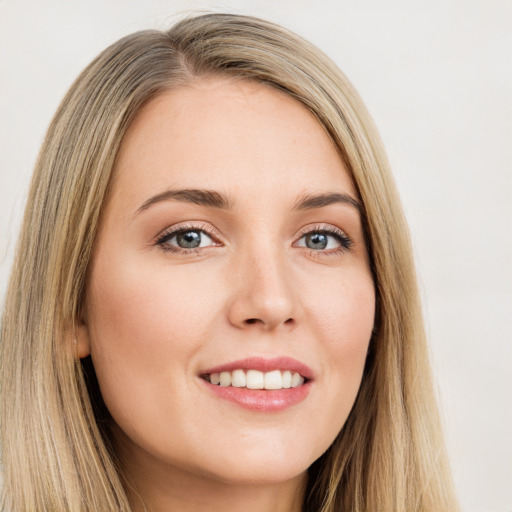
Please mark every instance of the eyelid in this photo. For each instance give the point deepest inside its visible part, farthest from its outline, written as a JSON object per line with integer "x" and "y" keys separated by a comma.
{"x": 188, "y": 226}
{"x": 345, "y": 241}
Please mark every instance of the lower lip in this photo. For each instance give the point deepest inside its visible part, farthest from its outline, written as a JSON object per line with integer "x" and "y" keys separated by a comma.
{"x": 260, "y": 400}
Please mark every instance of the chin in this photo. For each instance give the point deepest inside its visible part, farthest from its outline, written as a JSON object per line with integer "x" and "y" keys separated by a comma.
{"x": 261, "y": 465}
{"x": 265, "y": 474}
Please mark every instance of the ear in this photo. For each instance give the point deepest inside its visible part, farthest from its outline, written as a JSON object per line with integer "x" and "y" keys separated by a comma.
{"x": 82, "y": 340}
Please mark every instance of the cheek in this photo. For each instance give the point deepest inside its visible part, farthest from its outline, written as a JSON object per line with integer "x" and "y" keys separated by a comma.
{"x": 343, "y": 309}
{"x": 142, "y": 305}
{"x": 145, "y": 324}
{"x": 343, "y": 315}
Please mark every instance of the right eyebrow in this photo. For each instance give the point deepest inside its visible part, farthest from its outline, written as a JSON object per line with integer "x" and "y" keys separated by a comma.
{"x": 201, "y": 197}
{"x": 311, "y": 201}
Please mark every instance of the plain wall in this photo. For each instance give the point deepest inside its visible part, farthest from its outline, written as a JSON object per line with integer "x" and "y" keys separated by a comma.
{"x": 437, "y": 77}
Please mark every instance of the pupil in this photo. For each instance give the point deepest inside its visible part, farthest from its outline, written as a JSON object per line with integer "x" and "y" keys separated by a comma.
{"x": 189, "y": 239}
{"x": 316, "y": 241}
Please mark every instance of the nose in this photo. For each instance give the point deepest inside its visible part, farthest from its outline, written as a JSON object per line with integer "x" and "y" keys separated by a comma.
{"x": 264, "y": 294}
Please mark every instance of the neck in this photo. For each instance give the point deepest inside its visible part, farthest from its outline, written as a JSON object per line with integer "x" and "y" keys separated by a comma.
{"x": 184, "y": 493}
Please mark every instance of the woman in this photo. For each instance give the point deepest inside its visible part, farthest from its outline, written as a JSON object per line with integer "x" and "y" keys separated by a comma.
{"x": 213, "y": 301}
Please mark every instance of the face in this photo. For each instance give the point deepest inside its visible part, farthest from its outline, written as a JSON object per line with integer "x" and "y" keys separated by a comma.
{"x": 230, "y": 301}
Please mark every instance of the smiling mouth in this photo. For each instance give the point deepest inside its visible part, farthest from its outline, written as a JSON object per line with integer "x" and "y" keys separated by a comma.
{"x": 255, "y": 379}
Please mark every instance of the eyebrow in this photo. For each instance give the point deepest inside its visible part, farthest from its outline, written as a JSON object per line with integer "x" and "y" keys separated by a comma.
{"x": 193, "y": 195}
{"x": 215, "y": 199}
{"x": 311, "y": 201}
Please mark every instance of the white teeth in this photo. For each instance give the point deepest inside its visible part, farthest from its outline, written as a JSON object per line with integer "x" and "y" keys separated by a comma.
{"x": 287, "y": 379}
{"x": 254, "y": 379}
{"x": 238, "y": 379}
{"x": 297, "y": 380}
{"x": 225, "y": 379}
{"x": 273, "y": 380}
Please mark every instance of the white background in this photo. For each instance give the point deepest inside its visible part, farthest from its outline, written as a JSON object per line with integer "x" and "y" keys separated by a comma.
{"x": 437, "y": 77}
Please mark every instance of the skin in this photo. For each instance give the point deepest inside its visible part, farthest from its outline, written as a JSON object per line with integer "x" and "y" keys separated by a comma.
{"x": 155, "y": 319}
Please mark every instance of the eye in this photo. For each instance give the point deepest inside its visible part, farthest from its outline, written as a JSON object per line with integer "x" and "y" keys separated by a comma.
{"x": 331, "y": 240}
{"x": 185, "y": 239}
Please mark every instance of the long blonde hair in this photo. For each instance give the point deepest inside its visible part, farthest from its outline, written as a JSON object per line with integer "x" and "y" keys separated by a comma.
{"x": 389, "y": 456}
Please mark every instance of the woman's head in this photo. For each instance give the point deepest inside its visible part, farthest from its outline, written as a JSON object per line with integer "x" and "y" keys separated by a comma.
{"x": 202, "y": 74}
{"x": 230, "y": 243}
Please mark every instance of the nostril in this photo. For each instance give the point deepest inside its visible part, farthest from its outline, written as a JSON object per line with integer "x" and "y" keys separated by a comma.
{"x": 251, "y": 321}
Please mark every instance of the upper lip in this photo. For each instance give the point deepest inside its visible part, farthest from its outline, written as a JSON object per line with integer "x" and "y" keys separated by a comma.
{"x": 263, "y": 364}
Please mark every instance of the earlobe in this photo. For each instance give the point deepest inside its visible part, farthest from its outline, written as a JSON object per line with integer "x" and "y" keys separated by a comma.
{"x": 81, "y": 340}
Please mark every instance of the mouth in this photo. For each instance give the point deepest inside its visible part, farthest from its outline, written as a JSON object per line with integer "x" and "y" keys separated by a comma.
{"x": 260, "y": 384}
{"x": 256, "y": 379}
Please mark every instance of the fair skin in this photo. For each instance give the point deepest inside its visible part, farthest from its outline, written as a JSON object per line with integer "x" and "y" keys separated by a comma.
{"x": 185, "y": 285}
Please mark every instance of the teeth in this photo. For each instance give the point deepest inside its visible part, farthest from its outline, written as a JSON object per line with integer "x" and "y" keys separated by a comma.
{"x": 287, "y": 379}
{"x": 297, "y": 380}
{"x": 273, "y": 380}
{"x": 254, "y": 379}
{"x": 238, "y": 379}
{"x": 225, "y": 379}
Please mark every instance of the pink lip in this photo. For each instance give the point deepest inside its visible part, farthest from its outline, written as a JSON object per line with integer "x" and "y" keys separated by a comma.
{"x": 262, "y": 400}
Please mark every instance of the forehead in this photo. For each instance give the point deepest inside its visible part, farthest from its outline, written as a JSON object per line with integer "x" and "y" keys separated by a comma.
{"x": 235, "y": 136}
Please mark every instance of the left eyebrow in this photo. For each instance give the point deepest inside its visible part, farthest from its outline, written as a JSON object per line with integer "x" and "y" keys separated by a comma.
{"x": 310, "y": 201}
{"x": 201, "y": 197}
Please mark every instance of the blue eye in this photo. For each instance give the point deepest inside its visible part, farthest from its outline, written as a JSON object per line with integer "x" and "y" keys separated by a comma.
{"x": 185, "y": 239}
{"x": 317, "y": 241}
{"x": 324, "y": 240}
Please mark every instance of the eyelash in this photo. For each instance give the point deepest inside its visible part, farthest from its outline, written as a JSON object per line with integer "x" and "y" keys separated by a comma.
{"x": 342, "y": 238}
{"x": 163, "y": 239}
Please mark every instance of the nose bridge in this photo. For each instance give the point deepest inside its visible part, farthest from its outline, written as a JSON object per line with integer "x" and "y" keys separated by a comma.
{"x": 265, "y": 293}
